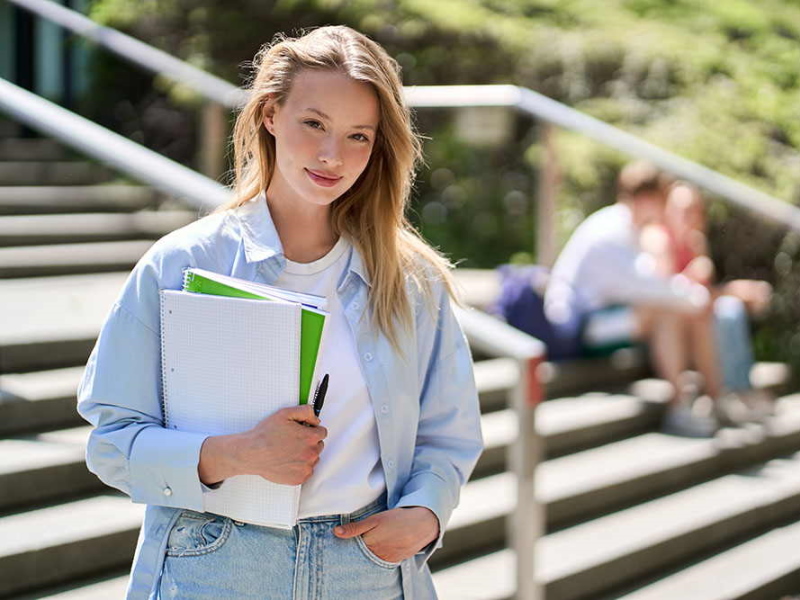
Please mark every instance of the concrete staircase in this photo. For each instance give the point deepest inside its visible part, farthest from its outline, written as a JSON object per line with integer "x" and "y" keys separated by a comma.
{"x": 631, "y": 513}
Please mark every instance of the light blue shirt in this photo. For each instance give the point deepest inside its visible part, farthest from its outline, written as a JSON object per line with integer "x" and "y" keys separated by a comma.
{"x": 424, "y": 398}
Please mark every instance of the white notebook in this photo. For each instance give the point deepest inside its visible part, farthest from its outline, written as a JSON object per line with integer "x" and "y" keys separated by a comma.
{"x": 227, "y": 363}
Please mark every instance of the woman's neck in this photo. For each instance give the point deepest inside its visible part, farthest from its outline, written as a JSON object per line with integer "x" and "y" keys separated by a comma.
{"x": 304, "y": 229}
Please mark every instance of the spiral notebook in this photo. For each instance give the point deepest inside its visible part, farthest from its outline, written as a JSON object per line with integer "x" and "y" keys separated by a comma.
{"x": 227, "y": 363}
{"x": 312, "y": 321}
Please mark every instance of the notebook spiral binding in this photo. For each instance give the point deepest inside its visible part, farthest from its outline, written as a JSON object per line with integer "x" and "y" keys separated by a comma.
{"x": 187, "y": 278}
{"x": 164, "y": 391}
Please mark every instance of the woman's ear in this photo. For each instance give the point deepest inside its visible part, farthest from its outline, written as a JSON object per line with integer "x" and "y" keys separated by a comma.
{"x": 269, "y": 116}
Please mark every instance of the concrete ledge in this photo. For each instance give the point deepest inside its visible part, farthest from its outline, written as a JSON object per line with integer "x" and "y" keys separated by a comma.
{"x": 29, "y": 230}
{"x": 105, "y": 588}
{"x": 69, "y": 199}
{"x": 39, "y": 401}
{"x": 69, "y": 259}
{"x": 52, "y": 173}
{"x": 44, "y": 466}
{"x": 76, "y": 539}
{"x": 766, "y": 567}
{"x": 592, "y": 558}
{"x": 52, "y": 322}
{"x": 18, "y": 149}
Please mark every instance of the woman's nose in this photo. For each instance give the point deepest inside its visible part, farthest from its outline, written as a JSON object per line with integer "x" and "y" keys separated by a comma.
{"x": 330, "y": 152}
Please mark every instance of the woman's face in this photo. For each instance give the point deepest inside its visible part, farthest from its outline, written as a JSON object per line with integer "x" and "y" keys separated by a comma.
{"x": 324, "y": 134}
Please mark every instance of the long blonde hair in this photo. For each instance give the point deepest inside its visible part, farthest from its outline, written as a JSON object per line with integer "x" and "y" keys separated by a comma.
{"x": 371, "y": 214}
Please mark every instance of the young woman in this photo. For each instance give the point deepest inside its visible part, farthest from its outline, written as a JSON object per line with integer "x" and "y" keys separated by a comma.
{"x": 324, "y": 156}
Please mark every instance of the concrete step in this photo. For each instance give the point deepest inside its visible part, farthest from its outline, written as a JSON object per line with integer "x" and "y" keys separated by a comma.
{"x": 39, "y": 401}
{"x": 18, "y": 149}
{"x": 766, "y": 567}
{"x": 29, "y": 230}
{"x": 52, "y": 322}
{"x": 45, "y": 400}
{"x": 75, "y": 198}
{"x": 69, "y": 259}
{"x": 595, "y": 557}
{"x": 44, "y": 466}
{"x": 53, "y": 173}
{"x": 111, "y": 587}
{"x": 567, "y": 425}
{"x": 46, "y": 546}
{"x": 586, "y": 484}
{"x": 9, "y": 129}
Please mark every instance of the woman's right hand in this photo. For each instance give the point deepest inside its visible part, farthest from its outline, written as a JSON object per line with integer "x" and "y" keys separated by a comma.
{"x": 280, "y": 448}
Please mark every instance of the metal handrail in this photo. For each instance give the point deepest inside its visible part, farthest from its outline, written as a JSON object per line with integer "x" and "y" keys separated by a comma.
{"x": 525, "y": 100}
{"x": 152, "y": 59}
{"x": 546, "y": 109}
{"x": 110, "y": 148}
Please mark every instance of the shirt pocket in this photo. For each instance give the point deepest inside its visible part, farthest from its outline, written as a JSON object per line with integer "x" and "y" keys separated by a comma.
{"x": 195, "y": 533}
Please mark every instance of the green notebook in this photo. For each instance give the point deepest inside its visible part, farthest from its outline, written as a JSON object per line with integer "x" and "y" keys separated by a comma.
{"x": 312, "y": 320}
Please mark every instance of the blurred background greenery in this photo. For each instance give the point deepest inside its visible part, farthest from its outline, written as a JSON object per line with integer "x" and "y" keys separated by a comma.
{"x": 716, "y": 82}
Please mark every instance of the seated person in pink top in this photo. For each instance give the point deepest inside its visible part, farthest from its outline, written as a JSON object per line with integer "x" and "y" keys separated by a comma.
{"x": 679, "y": 246}
{"x": 685, "y": 222}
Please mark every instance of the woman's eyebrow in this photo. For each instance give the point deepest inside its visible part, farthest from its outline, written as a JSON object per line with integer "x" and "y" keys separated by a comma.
{"x": 324, "y": 116}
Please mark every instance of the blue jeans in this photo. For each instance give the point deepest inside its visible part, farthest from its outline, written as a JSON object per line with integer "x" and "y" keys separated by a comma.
{"x": 733, "y": 343}
{"x": 213, "y": 557}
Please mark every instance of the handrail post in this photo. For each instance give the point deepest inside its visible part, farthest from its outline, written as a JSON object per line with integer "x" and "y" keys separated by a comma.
{"x": 213, "y": 133}
{"x": 526, "y": 525}
{"x": 546, "y": 197}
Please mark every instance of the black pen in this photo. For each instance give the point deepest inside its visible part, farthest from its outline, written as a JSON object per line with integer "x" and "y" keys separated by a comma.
{"x": 319, "y": 395}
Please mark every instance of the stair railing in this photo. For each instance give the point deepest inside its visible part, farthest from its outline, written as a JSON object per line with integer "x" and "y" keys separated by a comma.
{"x": 113, "y": 149}
{"x": 492, "y": 337}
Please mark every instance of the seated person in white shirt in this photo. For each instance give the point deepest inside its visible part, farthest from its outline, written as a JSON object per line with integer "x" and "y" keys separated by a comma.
{"x": 604, "y": 291}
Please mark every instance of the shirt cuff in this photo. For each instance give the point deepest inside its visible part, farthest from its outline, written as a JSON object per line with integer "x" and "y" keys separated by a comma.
{"x": 163, "y": 468}
{"x": 431, "y": 491}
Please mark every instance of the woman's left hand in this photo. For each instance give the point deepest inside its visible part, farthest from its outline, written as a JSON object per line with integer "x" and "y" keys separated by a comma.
{"x": 395, "y": 534}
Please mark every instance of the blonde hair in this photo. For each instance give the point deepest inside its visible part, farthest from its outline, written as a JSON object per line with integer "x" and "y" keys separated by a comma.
{"x": 371, "y": 214}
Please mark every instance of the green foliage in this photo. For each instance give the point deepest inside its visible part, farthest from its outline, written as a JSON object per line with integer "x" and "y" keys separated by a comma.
{"x": 717, "y": 82}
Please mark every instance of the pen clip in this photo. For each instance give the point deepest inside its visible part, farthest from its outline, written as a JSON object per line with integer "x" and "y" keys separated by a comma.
{"x": 319, "y": 395}
{"x": 315, "y": 396}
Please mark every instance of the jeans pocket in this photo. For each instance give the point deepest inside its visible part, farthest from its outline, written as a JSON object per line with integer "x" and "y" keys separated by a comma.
{"x": 372, "y": 557}
{"x": 195, "y": 533}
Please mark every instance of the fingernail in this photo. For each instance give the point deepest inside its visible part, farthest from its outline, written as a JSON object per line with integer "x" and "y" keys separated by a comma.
{"x": 339, "y": 530}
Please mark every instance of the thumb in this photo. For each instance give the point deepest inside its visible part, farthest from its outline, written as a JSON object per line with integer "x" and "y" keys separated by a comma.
{"x": 349, "y": 530}
{"x": 302, "y": 414}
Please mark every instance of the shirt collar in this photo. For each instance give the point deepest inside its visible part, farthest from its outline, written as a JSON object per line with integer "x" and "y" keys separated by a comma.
{"x": 261, "y": 240}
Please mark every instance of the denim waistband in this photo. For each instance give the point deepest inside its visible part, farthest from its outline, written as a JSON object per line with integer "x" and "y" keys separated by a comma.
{"x": 374, "y": 506}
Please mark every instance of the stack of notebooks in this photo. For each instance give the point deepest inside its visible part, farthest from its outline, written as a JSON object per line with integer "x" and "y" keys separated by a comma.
{"x": 232, "y": 353}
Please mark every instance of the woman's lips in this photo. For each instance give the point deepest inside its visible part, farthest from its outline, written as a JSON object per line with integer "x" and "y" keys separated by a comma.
{"x": 322, "y": 180}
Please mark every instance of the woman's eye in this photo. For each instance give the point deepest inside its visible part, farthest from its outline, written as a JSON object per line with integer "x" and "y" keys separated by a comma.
{"x": 360, "y": 137}
{"x": 313, "y": 124}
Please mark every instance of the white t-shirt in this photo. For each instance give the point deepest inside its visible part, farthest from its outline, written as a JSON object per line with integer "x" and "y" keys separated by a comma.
{"x": 349, "y": 473}
{"x": 602, "y": 265}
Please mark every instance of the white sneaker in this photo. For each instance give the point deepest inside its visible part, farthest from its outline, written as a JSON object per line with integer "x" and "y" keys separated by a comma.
{"x": 681, "y": 420}
{"x": 732, "y": 411}
{"x": 749, "y": 406}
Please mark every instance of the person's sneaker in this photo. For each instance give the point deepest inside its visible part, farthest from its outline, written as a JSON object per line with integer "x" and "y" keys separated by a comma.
{"x": 761, "y": 404}
{"x": 732, "y": 411}
{"x": 681, "y": 420}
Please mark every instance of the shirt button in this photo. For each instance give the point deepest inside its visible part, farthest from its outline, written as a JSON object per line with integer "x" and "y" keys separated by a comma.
{"x": 368, "y": 357}
{"x": 385, "y": 408}
{"x": 356, "y": 306}
{"x": 167, "y": 491}
{"x": 390, "y": 464}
